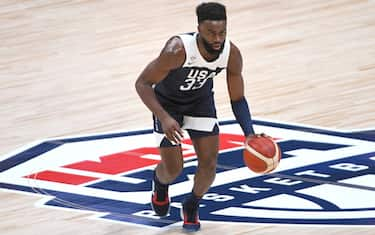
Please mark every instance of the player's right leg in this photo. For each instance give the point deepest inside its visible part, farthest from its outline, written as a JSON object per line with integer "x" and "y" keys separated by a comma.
{"x": 166, "y": 171}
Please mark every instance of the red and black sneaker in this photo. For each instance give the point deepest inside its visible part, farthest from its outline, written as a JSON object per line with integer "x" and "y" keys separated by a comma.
{"x": 190, "y": 215}
{"x": 160, "y": 200}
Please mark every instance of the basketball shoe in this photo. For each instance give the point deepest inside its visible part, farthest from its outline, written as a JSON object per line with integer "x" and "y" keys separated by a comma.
{"x": 160, "y": 202}
{"x": 190, "y": 213}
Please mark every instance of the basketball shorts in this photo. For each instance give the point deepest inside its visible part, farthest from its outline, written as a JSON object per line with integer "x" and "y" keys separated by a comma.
{"x": 198, "y": 119}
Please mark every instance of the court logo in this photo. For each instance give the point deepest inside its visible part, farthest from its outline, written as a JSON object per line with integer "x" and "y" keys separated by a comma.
{"x": 325, "y": 177}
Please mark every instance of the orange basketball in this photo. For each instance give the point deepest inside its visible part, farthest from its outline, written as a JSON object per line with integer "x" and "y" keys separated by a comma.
{"x": 261, "y": 154}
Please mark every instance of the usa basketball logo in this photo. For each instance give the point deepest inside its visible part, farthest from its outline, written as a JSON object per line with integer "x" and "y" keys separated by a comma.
{"x": 324, "y": 177}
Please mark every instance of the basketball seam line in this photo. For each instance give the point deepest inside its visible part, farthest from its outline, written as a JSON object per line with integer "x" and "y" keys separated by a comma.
{"x": 269, "y": 161}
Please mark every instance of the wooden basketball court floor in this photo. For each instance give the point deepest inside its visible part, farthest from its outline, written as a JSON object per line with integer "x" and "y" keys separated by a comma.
{"x": 68, "y": 68}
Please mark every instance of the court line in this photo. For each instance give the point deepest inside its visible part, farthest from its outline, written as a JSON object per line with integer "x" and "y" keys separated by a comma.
{"x": 325, "y": 182}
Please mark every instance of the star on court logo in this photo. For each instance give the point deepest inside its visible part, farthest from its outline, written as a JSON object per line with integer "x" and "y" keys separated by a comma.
{"x": 324, "y": 177}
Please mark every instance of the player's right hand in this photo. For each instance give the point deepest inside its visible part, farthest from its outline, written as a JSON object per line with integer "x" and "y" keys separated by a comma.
{"x": 172, "y": 130}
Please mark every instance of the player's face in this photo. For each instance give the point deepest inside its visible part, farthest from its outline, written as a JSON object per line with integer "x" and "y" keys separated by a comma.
{"x": 213, "y": 33}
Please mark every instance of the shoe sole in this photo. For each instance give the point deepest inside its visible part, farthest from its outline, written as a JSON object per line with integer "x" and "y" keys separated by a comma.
{"x": 188, "y": 227}
{"x": 152, "y": 205}
{"x": 165, "y": 215}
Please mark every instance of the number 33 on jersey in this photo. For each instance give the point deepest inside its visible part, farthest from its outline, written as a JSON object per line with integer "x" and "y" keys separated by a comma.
{"x": 196, "y": 79}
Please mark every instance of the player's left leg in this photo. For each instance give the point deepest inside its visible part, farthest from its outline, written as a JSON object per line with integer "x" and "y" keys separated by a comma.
{"x": 207, "y": 150}
{"x": 201, "y": 124}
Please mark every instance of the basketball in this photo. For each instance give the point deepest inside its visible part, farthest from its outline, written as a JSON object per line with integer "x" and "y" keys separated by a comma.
{"x": 261, "y": 154}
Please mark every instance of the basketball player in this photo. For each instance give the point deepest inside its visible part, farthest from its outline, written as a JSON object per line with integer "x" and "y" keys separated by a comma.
{"x": 177, "y": 88}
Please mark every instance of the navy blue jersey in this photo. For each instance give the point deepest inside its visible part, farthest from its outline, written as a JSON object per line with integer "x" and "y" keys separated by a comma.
{"x": 187, "y": 92}
{"x": 193, "y": 81}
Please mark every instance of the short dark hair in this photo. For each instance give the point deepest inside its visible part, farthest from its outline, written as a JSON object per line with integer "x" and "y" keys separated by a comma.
{"x": 211, "y": 11}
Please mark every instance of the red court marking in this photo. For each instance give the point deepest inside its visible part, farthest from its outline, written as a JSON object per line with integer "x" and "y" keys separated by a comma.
{"x": 60, "y": 177}
{"x": 226, "y": 141}
{"x": 124, "y": 161}
{"x": 118, "y": 162}
{"x": 129, "y": 160}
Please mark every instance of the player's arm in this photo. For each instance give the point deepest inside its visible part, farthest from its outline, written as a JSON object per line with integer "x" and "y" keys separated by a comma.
{"x": 235, "y": 85}
{"x": 171, "y": 57}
